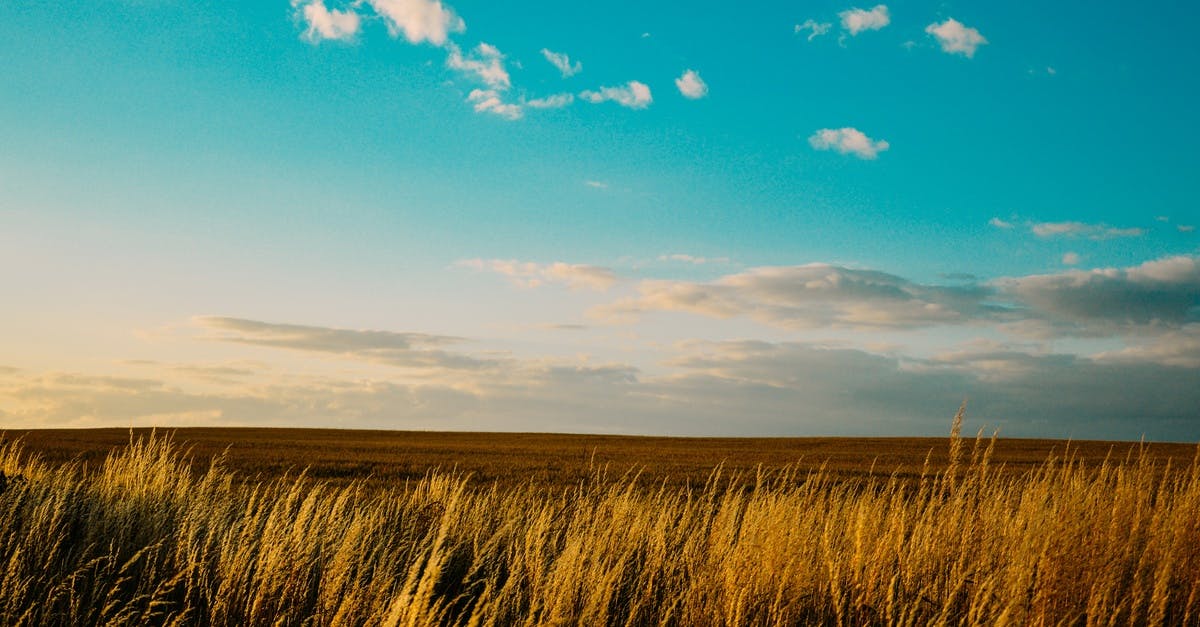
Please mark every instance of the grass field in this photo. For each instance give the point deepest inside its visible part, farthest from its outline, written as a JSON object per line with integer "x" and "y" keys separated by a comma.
{"x": 555, "y": 460}
{"x": 140, "y": 536}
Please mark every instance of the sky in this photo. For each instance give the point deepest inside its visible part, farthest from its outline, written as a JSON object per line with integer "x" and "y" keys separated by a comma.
{"x": 703, "y": 218}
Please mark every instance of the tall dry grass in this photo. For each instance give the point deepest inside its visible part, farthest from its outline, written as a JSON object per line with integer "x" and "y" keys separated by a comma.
{"x": 144, "y": 541}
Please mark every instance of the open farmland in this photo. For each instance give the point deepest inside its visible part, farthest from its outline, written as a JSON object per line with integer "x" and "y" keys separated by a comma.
{"x": 557, "y": 460}
{"x": 139, "y": 537}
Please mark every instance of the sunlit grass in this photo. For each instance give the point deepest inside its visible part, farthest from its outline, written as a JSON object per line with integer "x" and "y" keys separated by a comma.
{"x": 146, "y": 540}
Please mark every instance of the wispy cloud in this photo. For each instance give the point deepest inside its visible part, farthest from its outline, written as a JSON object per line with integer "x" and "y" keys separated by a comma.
{"x": 324, "y": 24}
{"x": 809, "y": 296}
{"x": 1083, "y": 229}
{"x": 856, "y": 20}
{"x": 956, "y": 38}
{"x": 1000, "y": 224}
{"x": 317, "y": 338}
{"x": 634, "y": 95}
{"x": 815, "y": 28}
{"x": 485, "y": 63}
{"x": 564, "y": 327}
{"x": 409, "y": 350}
{"x": 418, "y": 20}
{"x": 555, "y": 101}
{"x": 529, "y": 274}
{"x": 492, "y": 101}
{"x": 691, "y": 85}
{"x": 563, "y": 62}
{"x": 596, "y": 184}
{"x": 1071, "y": 259}
{"x": 847, "y": 141}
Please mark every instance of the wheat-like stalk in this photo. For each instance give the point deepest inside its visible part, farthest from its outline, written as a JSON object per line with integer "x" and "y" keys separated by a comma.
{"x": 142, "y": 540}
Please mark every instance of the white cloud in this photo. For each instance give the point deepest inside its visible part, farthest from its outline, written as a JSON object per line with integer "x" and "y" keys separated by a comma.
{"x": 1000, "y": 224}
{"x": 1082, "y": 229}
{"x": 561, "y": 61}
{"x": 634, "y": 95}
{"x": 491, "y": 101}
{"x": 955, "y": 38}
{"x": 596, "y": 184}
{"x": 847, "y": 141}
{"x": 1108, "y": 302}
{"x": 485, "y": 62}
{"x": 1186, "y": 228}
{"x": 324, "y": 24}
{"x": 1179, "y": 347}
{"x": 1157, "y": 294}
{"x": 691, "y": 85}
{"x": 529, "y": 274}
{"x": 1070, "y": 259}
{"x": 556, "y": 101}
{"x": 857, "y": 20}
{"x": 1050, "y": 229}
{"x": 808, "y": 297}
{"x": 816, "y": 28}
{"x": 418, "y": 20}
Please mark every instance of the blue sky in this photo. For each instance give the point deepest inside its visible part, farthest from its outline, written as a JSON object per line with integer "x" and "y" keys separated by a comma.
{"x": 788, "y": 219}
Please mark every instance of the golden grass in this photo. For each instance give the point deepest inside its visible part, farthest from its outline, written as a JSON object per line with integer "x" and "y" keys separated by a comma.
{"x": 146, "y": 540}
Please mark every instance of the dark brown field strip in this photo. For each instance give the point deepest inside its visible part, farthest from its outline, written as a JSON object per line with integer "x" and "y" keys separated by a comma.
{"x": 557, "y": 460}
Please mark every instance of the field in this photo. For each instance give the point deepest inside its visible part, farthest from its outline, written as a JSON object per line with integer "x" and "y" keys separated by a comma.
{"x": 557, "y": 460}
{"x": 490, "y": 529}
